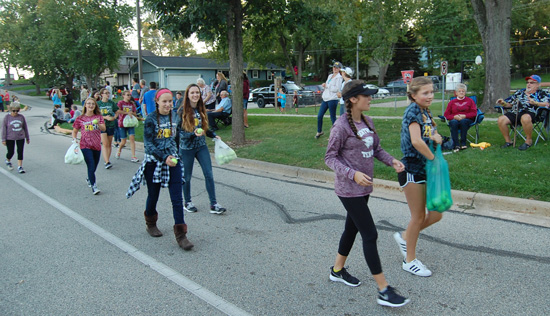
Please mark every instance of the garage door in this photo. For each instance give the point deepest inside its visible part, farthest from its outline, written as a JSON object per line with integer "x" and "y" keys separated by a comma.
{"x": 177, "y": 82}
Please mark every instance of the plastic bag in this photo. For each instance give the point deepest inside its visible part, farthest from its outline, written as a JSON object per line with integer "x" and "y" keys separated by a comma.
{"x": 223, "y": 153}
{"x": 438, "y": 189}
{"x": 74, "y": 155}
{"x": 130, "y": 121}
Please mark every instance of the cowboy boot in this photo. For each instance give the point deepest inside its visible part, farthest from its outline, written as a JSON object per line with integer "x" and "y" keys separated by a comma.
{"x": 180, "y": 230}
{"x": 151, "y": 222}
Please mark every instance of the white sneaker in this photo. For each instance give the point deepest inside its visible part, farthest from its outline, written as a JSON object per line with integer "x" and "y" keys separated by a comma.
{"x": 417, "y": 268}
{"x": 95, "y": 190}
{"x": 401, "y": 243}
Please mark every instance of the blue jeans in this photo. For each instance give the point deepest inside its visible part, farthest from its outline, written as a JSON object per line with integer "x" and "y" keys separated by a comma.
{"x": 203, "y": 157}
{"x": 462, "y": 125}
{"x": 91, "y": 157}
{"x": 174, "y": 188}
{"x": 117, "y": 134}
{"x": 326, "y": 105}
{"x": 342, "y": 108}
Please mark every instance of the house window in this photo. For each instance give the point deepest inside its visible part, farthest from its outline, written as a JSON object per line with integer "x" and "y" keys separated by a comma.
{"x": 255, "y": 74}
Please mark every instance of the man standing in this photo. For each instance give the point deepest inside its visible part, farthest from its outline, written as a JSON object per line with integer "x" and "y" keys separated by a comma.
{"x": 222, "y": 111}
{"x": 149, "y": 105}
{"x": 528, "y": 100}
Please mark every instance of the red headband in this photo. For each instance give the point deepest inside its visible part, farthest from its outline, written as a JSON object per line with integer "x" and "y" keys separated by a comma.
{"x": 161, "y": 92}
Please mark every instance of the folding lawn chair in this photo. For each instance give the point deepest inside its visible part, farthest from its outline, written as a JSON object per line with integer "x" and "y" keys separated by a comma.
{"x": 541, "y": 124}
{"x": 478, "y": 119}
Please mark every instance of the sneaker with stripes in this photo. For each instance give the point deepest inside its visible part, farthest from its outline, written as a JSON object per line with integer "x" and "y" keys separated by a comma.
{"x": 401, "y": 243}
{"x": 417, "y": 268}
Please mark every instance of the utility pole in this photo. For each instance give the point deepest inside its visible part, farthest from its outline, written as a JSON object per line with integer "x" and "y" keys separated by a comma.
{"x": 359, "y": 40}
{"x": 139, "y": 40}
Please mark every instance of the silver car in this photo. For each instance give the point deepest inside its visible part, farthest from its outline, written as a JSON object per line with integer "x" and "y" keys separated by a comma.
{"x": 382, "y": 93}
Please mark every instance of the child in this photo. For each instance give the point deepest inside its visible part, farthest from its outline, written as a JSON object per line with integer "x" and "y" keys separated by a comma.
{"x": 58, "y": 116}
{"x": 76, "y": 112}
{"x": 351, "y": 149}
{"x": 161, "y": 167}
{"x": 295, "y": 100}
{"x": 282, "y": 99}
{"x": 108, "y": 109}
{"x": 14, "y": 132}
{"x": 2, "y": 101}
{"x": 66, "y": 115}
{"x": 417, "y": 128}
{"x": 192, "y": 117}
{"x": 90, "y": 124}
{"x": 126, "y": 106}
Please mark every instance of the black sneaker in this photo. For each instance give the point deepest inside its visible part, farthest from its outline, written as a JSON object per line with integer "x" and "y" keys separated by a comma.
{"x": 391, "y": 298}
{"x": 190, "y": 207}
{"x": 344, "y": 277}
{"x": 217, "y": 209}
{"x": 108, "y": 165}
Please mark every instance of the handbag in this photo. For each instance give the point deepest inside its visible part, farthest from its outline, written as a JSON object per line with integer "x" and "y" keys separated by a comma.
{"x": 223, "y": 153}
{"x": 438, "y": 190}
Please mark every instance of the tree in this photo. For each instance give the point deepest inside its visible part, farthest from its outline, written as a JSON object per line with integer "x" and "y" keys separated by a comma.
{"x": 163, "y": 44}
{"x": 219, "y": 22}
{"x": 493, "y": 19}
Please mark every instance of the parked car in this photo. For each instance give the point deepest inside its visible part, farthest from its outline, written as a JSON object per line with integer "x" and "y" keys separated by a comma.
{"x": 382, "y": 93}
{"x": 266, "y": 95}
{"x": 396, "y": 87}
{"x": 317, "y": 89}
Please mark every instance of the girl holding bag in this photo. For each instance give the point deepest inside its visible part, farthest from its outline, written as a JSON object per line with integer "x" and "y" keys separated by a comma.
{"x": 192, "y": 128}
{"x": 126, "y": 106}
{"x": 90, "y": 124}
{"x": 352, "y": 147}
{"x": 417, "y": 128}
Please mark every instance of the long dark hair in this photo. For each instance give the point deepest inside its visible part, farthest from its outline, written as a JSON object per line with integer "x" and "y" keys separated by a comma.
{"x": 188, "y": 114}
{"x": 350, "y": 85}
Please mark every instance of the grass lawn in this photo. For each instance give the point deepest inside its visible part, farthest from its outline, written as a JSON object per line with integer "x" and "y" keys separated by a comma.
{"x": 507, "y": 172}
{"x": 520, "y": 83}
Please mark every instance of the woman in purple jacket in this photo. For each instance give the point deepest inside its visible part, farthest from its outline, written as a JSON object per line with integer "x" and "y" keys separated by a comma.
{"x": 351, "y": 149}
{"x": 14, "y": 132}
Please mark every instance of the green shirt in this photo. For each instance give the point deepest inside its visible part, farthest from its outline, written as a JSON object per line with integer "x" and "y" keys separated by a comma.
{"x": 108, "y": 108}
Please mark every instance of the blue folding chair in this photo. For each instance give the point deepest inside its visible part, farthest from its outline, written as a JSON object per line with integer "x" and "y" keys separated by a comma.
{"x": 541, "y": 124}
{"x": 478, "y": 119}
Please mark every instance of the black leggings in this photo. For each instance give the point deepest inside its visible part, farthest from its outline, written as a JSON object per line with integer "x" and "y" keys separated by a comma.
{"x": 360, "y": 220}
{"x": 11, "y": 146}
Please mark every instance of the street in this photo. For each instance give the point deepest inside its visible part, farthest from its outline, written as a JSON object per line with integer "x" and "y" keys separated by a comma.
{"x": 65, "y": 251}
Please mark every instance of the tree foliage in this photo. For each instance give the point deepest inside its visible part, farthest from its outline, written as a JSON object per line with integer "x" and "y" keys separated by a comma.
{"x": 58, "y": 39}
{"x": 163, "y": 44}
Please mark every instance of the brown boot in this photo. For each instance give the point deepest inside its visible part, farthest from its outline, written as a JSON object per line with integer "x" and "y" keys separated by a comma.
{"x": 151, "y": 222}
{"x": 180, "y": 230}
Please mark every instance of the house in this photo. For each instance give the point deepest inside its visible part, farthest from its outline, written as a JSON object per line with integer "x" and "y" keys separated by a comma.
{"x": 121, "y": 77}
{"x": 176, "y": 73}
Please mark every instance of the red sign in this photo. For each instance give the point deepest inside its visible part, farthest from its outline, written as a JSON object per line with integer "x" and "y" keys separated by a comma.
{"x": 444, "y": 66}
{"x": 407, "y": 75}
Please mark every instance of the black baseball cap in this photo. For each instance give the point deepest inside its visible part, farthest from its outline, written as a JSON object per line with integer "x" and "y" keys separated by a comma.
{"x": 356, "y": 87}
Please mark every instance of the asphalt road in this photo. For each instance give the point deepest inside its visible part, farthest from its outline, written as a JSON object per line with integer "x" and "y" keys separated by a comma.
{"x": 64, "y": 251}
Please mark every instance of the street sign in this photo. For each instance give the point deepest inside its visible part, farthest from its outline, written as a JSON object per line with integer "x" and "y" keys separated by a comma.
{"x": 407, "y": 75}
{"x": 444, "y": 67}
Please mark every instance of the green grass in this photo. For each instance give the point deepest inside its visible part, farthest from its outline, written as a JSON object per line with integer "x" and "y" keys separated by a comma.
{"x": 520, "y": 83}
{"x": 289, "y": 140}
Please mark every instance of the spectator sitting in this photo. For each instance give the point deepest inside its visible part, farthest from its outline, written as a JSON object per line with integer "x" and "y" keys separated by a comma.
{"x": 66, "y": 115}
{"x": 461, "y": 113}
{"x": 76, "y": 113}
{"x": 58, "y": 116}
{"x": 527, "y": 102}
{"x": 222, "y": 111}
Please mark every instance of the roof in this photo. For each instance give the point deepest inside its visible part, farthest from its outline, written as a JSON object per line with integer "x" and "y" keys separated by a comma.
{"x": 194, "y": 63}
{"x": 133, "y": 53}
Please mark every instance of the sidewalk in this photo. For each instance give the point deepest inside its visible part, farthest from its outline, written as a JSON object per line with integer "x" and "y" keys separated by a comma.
{"x": 507, "y": 208}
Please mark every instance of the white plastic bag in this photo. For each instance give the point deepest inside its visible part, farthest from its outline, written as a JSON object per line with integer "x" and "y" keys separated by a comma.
{"x": 74, "y": 155}
{"x": 223, "y": 153}
{"x": 130, "y": 121}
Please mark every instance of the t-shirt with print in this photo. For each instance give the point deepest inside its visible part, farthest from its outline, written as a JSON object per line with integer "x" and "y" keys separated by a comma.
{"x": 522, "y": 98}
{"x": 346, "y": 155}
{"x": 108, "y": 108}
{"x": 413, "y": 160}
{"x": 90, "y": 132}
{"x": 160, "y": 136}
{"x": 126, "y": 107}
{"x": 188, "y": 140}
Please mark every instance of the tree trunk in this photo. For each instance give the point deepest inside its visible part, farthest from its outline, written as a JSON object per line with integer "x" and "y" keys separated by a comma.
{"x": 493, "y": 18}
{"x": 235, "y": 40}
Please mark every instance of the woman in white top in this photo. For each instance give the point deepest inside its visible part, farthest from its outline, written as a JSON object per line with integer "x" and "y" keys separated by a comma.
{"x": 330, "y": 97}
{"x": 346, "y": 74}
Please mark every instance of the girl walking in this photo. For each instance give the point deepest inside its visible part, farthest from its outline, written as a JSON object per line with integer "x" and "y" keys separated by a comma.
{"x": 15, "y": 132}
{"x": 351, "y": 149}
{"x": 417, "y": 129}
{"x": 192, "y": 128}
{"x": 90, "y": 124}
{"x": 161, "y": 167}
{"x": 126, "y": 106}
{"x": 108, "y": 109}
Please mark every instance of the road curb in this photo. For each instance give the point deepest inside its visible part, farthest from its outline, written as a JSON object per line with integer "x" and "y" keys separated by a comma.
{"x": 509, "y": 208}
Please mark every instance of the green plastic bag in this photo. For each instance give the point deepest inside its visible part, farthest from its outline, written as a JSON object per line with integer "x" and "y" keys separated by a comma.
{"x": 438, "y": 188}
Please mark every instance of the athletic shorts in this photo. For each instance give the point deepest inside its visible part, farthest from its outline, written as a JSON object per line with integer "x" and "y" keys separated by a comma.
{"x": 405, "y": 178}
{"x": 512, "y": 117}
{"x": 110, "y": 131}
{"x": 126, "y": 131}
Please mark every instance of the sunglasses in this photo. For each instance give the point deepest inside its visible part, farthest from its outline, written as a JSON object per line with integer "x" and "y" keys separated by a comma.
{"x": 532, "y": 82}
{"x": 15, "y": 111}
